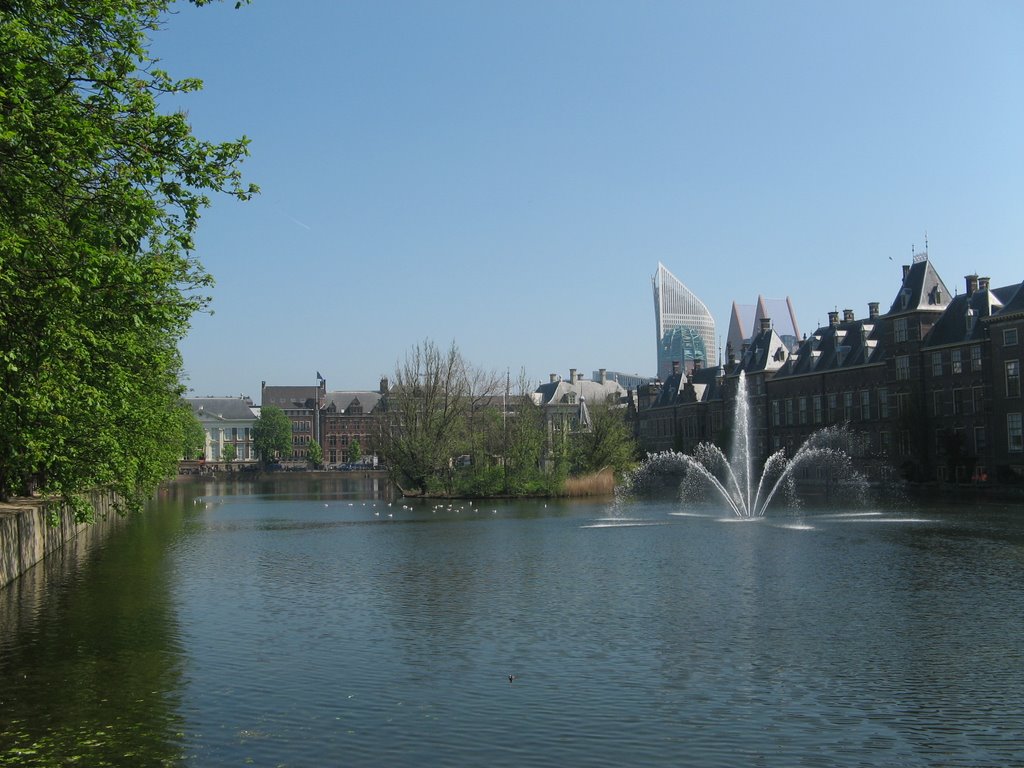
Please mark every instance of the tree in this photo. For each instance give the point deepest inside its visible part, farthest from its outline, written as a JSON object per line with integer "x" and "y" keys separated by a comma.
{"x": 427, "y": 413}
{"x": 315, "y": 454}
{"x": 272, "y": 434}
{"x": 608, "y": 443}
{"x": 100, "y": 196}
{"x": 355, "y": 451}
{"x": 193, "y": 435}
{"x": 230, "y": 453}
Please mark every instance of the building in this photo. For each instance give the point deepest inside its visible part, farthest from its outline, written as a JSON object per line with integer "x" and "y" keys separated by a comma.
{"x": 931, "y": 388}
{"x": 302, "y": 406}
{"x": 226, "y": 421}
{"x": 352, "y": 417}
{"x": 626, "y": 380}
{"x": 565, "y": 403}
{"x": 685, "y": 329}
{"x": 745, "y": 322}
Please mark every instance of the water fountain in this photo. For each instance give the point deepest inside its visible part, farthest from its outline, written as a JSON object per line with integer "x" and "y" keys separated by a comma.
{"x": 733, "y": 479}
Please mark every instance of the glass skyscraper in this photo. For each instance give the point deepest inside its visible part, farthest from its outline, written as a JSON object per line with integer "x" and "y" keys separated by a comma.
{"x": 686, "y": 330}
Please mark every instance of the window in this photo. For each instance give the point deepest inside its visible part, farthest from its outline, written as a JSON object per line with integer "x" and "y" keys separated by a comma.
{"x": 980, "y": 443}
{"x": 1014, "y": 433}
{"x": 956, "y": 361}
{"x": 817, "y": 409}
{"x": 904, "y": 446}
{"x": 959, "y": 403}
{"x": 847, "y": 406}
{"x": 1009, "y": 337}
{"x": 832, "y": 409}
{"x": 903, "y": 367}
{"x": 884, "y": 443}
{"x": 976, "y": 357}
{"x": 865, "y": 404}
{"x": 883, "y": 403}
{"x": 1013, "y": 378}
{"x": 903, "y": 404}
{"x": 775, "y": 413}
{"x": 936, "y": 363}
{"x": 900, "y": 329}
{"x": 938, "y": 403}
{"x": 803, "y": 410}
{"x": 789, "y": 411}
{"x": 979, "y": 399}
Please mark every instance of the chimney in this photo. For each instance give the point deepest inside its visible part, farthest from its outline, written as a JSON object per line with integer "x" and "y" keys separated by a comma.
{"x": 602, "y": 375}
{"x": 847, "y": 315}
{"x": 873, "y": 309}
{"x": 766, "y": 324}
{"x": 983, "y": 283}
{"x": 572, "y": 375}
{"x": 833, "y": 319}
{"x": 553, "y": 378}
{"x": 972, "y": 283}
{"x": 906, "y": 271}
{"x": 383, "y": 385}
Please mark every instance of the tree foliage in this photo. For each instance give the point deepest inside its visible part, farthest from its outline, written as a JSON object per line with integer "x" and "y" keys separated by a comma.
{"x": 608, "y": 443}
{"x": 272, "y": 434}
{"x": 193, "y": 435}
{"x": 100, "y": 194}
{"x": 355, "y": 451}
{"x": 315, "y": 454}
{"x": 230, "y": 453}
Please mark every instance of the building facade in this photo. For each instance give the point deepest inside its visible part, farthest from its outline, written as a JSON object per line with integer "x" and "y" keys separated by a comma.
{"x": 931, "y": 389}
{"x": 302, "y": 405}
{"x": 685, "y": 329}
{"x": 226, "y": 421}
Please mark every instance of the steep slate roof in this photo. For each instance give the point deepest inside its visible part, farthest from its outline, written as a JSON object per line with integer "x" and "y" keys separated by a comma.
{"x": 843, "y": 345}
{"x": 340, "y": 402}
{"x": 952, "y": 327}
{"x": 1013, "y": 300}
{"x": 223, "y": 408}
{"x": 922, "y": 289}
{"x": 767, "y": 352}
{"x": 290, "y": 397}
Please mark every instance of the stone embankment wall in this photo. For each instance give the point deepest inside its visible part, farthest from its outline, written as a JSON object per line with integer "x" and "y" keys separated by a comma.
{"x": 26, "y": 537}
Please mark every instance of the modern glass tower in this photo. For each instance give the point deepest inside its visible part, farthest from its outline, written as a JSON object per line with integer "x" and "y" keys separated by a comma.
{"x": 686, "y": 330}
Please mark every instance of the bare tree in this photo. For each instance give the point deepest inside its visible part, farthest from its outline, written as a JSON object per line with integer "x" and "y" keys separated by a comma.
{"x": 430, "y": 412}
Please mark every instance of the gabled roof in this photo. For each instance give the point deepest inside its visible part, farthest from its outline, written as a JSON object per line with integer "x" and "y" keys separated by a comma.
{"x": 922, "y": 289}
{"x": 222, "y": 408}
{"x": 767, "y": 352}
{"x": 340, "y": 402}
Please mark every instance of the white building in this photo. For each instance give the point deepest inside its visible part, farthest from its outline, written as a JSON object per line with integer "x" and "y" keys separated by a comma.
{"x": 226, "y": 420}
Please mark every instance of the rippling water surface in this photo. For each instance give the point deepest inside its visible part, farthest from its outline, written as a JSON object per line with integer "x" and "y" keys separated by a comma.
{"x": 314, "y": 624}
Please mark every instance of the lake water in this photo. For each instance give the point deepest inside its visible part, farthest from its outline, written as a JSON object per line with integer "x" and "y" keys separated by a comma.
{"x": 315, "y": 624}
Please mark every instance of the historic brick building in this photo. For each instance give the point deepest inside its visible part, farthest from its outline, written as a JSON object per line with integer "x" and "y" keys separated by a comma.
{"x": 932, "y": 388}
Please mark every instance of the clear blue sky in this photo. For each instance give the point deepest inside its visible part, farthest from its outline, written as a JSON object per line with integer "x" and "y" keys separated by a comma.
{"x": 508, "y": 175}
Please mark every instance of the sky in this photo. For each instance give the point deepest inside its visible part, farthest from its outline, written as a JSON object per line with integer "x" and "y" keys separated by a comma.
{"x": 507, "y": 175}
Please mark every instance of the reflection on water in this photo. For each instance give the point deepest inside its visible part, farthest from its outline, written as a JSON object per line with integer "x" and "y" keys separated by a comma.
{"x": 307, "y": 625}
